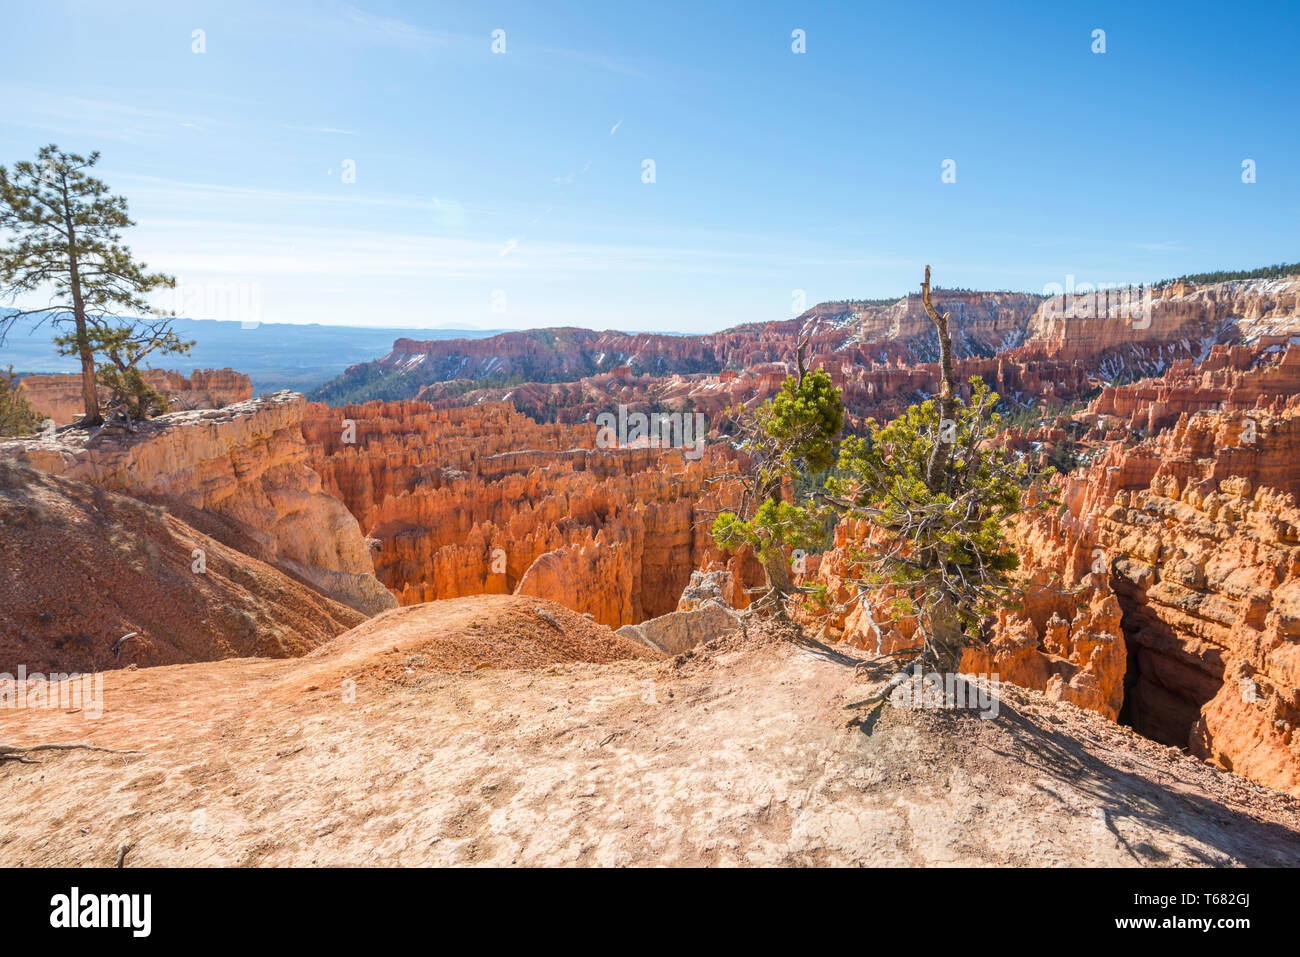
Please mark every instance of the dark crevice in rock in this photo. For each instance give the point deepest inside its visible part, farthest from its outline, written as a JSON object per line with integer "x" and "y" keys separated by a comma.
{"x": 1166, "y": 683}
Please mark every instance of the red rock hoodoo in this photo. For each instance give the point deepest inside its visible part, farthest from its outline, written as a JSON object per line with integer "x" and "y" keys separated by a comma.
{"x": 481, "y": 499}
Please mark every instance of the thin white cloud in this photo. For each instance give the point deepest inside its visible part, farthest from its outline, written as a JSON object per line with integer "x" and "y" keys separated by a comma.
{"x": 365, "y": 26}
{"x": 321, "y": 129}
{"x": 170, "y": 192}
{"x": 42, "y": 108}
{"x": 391, "y": 31}
{"x": 204, "y": 246}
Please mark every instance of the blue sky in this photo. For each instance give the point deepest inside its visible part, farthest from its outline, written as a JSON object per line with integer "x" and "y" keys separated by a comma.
{"x": 513, "y": 181}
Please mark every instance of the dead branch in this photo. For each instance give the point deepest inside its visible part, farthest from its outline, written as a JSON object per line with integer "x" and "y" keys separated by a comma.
{"x": 873, "y": 701}
{"x": 15, "y": 752}
{"x": 947, "y": 398}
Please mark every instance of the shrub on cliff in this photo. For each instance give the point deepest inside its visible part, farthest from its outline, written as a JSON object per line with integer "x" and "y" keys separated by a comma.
{"x": 793, "y": 434}
{"x": 935, "y": 489}
{"x": 17, "y": 417}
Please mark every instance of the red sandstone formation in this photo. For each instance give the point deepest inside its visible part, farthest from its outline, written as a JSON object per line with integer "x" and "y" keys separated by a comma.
{"x": 1199, "y": 535}
{"x": 882, "y": 391}
{"x": 1231, "y": 377}
{"x": 94, "y": 580}
{"x": 59, "y": 396}
{"x": 1196, "y": 531}
{"x": 857, "y": 333}
{"x": 1121, "y": 333}
{"x": 1054, "y": 349}
{"x": 484, "y": 500}
{"x": 239, "y": 474}
{"x": 1083, "y": 326}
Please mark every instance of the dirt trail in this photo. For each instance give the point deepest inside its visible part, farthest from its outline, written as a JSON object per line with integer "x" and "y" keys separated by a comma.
{"x": 736, "y": 757}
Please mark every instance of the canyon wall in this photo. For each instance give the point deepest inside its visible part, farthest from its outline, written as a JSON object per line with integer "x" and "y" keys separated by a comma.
{"x": 58, "y": 396}
{"x": 1247, "y": 310}
{"x": 882, "y": 391}
{"x": 1113, "y": 334}
{"x": 239, "y": 474}
{"x": 857, "y": 333}
{"x": 1126, "y": 332}
{"x": 984, "y": 323}
{"x": 482, "y": 499}
{"x": 1191, "y": 519}
{"x": 1030, "y": 350}
{"x": 1198, "y": 536}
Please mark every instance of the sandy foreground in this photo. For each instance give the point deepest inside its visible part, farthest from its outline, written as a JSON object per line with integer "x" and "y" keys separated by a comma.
{"x": 363, "y": 754}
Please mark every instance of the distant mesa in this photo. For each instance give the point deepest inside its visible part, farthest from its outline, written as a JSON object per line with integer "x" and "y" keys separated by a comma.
{"x": 873, "y": 349}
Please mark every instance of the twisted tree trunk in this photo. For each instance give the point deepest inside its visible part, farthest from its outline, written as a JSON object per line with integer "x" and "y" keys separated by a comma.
{"x": 947, "y": 636}
{"x": 947, "y": 395}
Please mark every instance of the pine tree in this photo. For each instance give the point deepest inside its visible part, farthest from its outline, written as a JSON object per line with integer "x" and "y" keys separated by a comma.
{"x": 66, "y": 240}
{"x": 124, "y": 347}
{"x": 936, "y": 488}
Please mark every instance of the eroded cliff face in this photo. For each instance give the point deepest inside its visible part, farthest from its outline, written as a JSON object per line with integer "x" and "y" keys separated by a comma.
{"x": 881, "y": 390}
{"x": 93, "y": 580}
{"x": 854, "y": 333}
{"x": 1198, "y": 533}
{"x": 1231, "y": 378}
{"x": 240, "y": 474}
{"x": 985, "y": 323}
{"x": 482, "y": 499}
{"x": 59, "y": 396}
{"x": 1125, "y": 332}
{"x": 1048, "y": 346}
{"x": 1195, "y": 531}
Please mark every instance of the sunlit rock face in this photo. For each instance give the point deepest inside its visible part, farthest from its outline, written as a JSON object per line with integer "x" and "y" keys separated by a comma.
{"x": 1195, "y": 530}
{"x": 58, "y": 396}
{"x": 482, "y": 499}
{"x": 245, "y": 464}
{"x": 1124, "y": 332}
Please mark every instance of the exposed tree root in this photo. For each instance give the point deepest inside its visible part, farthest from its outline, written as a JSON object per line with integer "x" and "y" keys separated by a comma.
{"x": 875, "y": 700}
{"x": 14, "y": 752}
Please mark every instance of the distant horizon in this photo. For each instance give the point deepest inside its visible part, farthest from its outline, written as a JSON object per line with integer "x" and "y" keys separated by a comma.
{"x": 480, "y": 331}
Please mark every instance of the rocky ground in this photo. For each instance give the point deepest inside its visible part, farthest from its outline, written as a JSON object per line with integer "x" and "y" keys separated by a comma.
{"x": 378, "y": 749}
{"x": 82, "y": 567}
